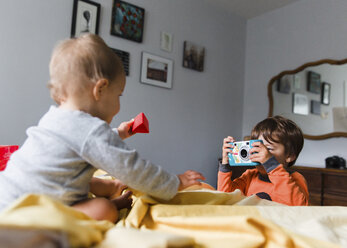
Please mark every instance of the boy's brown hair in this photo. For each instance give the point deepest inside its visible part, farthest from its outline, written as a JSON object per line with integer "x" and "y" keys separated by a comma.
{"x": 79, "y": 62}
{"x": 283, "y": 131}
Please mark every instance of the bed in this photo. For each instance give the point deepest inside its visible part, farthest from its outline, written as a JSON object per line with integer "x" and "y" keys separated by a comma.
{"x": 196, "y": 217}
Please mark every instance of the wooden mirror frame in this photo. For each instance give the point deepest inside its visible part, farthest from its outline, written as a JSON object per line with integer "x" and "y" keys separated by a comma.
{"x": 301, "y": 68}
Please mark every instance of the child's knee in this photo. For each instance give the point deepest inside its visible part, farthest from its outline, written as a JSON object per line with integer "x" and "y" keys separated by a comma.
{"x": 106, "y": 210}
{"x": 99, "y": 209}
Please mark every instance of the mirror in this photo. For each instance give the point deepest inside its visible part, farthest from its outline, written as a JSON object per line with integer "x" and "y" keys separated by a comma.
{"x": 314, "y": 96}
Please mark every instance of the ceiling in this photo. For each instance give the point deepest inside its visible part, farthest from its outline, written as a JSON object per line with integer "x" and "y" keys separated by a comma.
{"x": 251, "y": 8}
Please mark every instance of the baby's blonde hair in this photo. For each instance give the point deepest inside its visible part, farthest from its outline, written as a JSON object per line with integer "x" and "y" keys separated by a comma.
{"x": 79, "y": 62}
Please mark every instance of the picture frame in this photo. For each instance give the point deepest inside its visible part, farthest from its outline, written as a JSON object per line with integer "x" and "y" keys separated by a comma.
{"x": 315, "y": 107}
{"x": 300, "y": 104}
{"x": 166, "y": 41}
{"x": 193, "y": 56}
{"x": 156, "y": 70}
{"x": 85, "y": 18}
{"x": 124, "y": 57}
{"x": 325, "y": 95}
{"x": 314, "y": 82}
{"x": 297, "y": 82}
{"x": 284, "y": 84}
{"x": 127, "y": 21}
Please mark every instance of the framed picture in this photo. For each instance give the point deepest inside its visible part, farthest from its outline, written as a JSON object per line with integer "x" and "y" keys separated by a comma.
{"x": 313, "y": 82}
{"x": 297, "y": 82}
{"x": 339, "y": 119}
{"x": 193, "y": 56}
{"x": 127, "y": 21}
{"x": 284, "y": 84}
{"x": 325, "y": 96}
{"x": 315, "y": 107}
{"x": 156, "y": 70}
{"x": 85, "y": 17}
{"x": 124, "y": 56}
{"x": 166, "y": 41}
{"x": 300, "y": 104}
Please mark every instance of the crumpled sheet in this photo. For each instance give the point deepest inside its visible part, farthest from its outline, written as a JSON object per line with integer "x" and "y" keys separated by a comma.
{"x": 40, "y": 212}
{"x": 206, "y": 218}
{"x": 193, "y": 218}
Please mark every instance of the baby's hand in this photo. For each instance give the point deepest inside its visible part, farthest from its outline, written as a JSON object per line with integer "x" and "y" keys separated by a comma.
{"x": 227, "y": 147}
{"x": 189, "y": 178}
{"x": 124, "y": 129}
{"x": 259, "y": 153}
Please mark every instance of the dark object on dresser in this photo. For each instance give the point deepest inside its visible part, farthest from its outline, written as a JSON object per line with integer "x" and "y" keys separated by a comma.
{"x": 327, "y": 187}
{"x": 335, "y": 162}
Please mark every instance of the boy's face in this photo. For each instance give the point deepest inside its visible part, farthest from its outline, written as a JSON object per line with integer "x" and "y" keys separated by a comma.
{"x": 111, "y": 101}
{"x": 277, "y": 150}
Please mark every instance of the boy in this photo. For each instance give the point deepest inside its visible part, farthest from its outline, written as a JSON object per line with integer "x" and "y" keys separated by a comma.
{"x": 282, "y": 143}
{"x": 75, "y": 139}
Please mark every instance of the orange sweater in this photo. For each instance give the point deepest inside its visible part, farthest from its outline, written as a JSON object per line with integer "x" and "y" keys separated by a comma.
{"x": 279, "y": 185}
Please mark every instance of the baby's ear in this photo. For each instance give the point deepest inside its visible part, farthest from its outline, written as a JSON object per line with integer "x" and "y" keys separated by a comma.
{"x": 99, "y": 87}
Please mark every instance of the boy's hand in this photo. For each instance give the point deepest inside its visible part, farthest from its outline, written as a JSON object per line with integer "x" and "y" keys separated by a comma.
{"x": 227, "y": 147}
{"x": 124, "y": 129}
{"x": 189, "y": 178}
{"x": 259, "y": 153}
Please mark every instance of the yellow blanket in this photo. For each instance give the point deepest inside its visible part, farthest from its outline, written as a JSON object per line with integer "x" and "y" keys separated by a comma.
{"x": 210, "y": 219}
{"x": 199, "y": 218}
{"x": 42, "y": 212}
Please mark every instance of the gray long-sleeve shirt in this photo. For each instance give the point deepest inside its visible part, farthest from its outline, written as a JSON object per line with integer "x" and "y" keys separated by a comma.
{"x": 63, "y": 151}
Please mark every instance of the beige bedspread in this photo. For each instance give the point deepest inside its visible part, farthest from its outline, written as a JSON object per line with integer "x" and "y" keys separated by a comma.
{"x": 196, "y": 218}
{"x": 39, "y": 212}
{"x": 207, "y": 218}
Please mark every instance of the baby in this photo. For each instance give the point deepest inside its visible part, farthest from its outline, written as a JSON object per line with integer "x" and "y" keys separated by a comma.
{"x": 73, "y": 140}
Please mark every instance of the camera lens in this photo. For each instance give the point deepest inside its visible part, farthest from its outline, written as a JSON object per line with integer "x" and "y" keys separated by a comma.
{"x": 244, "y": 153}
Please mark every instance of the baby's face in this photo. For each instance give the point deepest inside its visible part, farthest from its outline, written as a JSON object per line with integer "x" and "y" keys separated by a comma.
{"x": 111, "y": 100}
{"x": 277, "y": 150}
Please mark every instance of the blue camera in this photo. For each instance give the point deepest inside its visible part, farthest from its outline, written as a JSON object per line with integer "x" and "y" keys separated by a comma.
{"x": 239, "y": 155}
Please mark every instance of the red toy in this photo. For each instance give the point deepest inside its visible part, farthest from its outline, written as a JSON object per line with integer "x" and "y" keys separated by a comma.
{"x": 5, "y": 153}
{"x": 140, "y": 124}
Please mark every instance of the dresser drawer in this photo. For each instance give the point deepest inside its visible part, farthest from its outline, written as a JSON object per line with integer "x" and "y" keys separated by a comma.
{"x": 334, "y": 200}
{"x": 315, "y": 199}
{"x": 335, "y": 183}
{"x": 313, "y": 179}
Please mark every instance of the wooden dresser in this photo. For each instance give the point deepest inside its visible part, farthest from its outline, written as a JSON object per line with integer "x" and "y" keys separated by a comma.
{"x": 327, "y": 187}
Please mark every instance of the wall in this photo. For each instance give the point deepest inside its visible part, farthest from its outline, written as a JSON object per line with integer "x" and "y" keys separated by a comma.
{"x": 187, "y": 122}
{"x": 284, "y": 39}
